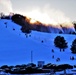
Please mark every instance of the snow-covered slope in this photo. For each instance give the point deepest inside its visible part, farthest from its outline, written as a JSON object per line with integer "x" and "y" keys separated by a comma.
{"x": 15, "y": 47}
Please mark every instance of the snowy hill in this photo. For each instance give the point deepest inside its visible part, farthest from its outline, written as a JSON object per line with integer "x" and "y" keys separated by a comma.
{"x": 15, "y": 47}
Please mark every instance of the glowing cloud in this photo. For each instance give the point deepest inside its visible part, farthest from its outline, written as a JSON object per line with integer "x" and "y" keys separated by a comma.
{"x": 41, "y": 17}
{"x": 48, "y": 16}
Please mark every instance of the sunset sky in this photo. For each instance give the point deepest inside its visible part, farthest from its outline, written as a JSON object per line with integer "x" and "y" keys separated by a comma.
{"x": 51, "y": 7}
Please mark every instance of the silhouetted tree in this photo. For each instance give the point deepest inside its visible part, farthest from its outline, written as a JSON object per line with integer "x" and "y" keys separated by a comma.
{"x": 10, "y": 67}
{"x": 49, "y": 66}
{"x": 73, "y": 46}
{"x": 25, "y": 29}
{"x": 74, "y": 23}
{"x": 60, "y": 42}
{"x": 4, "y": 66}
{"x": 2, "y": 15}
{"x": 31, "y": 65}
{"x": 64, "y": 67}
{"x": 19, "y": 19}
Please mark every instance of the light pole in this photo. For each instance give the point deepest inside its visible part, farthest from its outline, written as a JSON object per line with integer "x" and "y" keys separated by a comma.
{"x": 31, "y": 56}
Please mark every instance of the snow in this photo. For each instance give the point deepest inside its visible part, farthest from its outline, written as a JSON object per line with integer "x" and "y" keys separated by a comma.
{"x": 15, "y": 47}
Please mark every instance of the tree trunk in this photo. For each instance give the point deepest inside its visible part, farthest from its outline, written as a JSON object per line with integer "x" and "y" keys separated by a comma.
{"x": 60, "y": 49}
{"x": 65, "y": 72}
{"x": 63, "y": 50}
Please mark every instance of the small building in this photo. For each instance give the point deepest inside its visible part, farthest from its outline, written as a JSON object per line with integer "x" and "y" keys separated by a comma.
{"x": 40, "y": 64}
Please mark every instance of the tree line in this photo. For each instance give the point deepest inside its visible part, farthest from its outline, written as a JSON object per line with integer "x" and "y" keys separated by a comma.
{"x": 27, "y": 26}
{"x": 32, "y": 68}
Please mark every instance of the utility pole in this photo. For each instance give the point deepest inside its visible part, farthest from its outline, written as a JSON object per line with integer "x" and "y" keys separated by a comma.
{"x": 31, "y": 56}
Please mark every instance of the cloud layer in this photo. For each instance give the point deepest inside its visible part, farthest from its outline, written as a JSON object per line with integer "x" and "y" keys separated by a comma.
{"x": 5, "y": 6}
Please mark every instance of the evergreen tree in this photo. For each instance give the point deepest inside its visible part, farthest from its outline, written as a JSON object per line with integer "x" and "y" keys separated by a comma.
{"x": 73, "y": 46}
{"x": 60, "y": 42}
